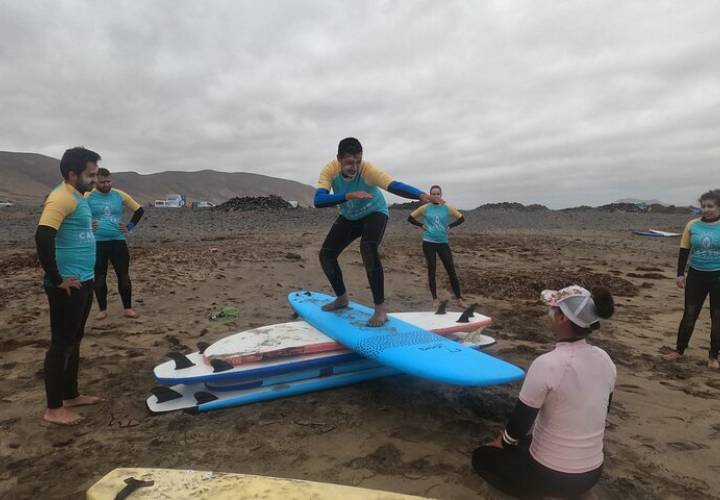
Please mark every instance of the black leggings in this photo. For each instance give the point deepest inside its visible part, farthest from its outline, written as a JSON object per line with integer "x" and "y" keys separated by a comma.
{"x": 698, "y": 285}
{"x": 370, "y": 229}
{"x": 115, "y": 251}
{"x": 68, "y": 314}
{"x": 443, "y": 250}
{"x": 514, "y": 471}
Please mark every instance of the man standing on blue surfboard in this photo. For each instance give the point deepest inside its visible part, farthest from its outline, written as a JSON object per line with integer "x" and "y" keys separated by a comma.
{"x": 355, "y": 186}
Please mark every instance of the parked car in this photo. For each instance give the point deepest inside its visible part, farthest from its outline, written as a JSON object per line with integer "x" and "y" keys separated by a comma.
{"x": 6, "y": 203}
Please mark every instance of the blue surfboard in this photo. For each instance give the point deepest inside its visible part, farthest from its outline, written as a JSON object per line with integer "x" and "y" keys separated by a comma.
{"x": 403, "y": 346}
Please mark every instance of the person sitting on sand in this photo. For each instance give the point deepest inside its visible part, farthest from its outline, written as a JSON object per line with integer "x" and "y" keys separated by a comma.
{"x": 566, "y": 396}
{"x": 355, "y": 186}
{"x": 436, "y": 222}
{"x": 107, "y": 205}
{"x": 700, "y": 244}
{"x": 66, "y": 250}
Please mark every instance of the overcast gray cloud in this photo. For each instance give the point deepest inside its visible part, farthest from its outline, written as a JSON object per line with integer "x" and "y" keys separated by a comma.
{"x": 561, "y": 103}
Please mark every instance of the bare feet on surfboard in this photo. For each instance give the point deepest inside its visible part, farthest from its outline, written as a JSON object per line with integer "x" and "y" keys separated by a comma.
{"x": 338, "y": 303}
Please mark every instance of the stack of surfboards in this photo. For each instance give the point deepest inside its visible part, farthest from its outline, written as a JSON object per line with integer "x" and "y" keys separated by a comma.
{"x": 327, "y": 350}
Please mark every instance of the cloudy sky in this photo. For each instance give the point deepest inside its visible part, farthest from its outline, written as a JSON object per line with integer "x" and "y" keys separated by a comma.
{"x": 560, "y": 103}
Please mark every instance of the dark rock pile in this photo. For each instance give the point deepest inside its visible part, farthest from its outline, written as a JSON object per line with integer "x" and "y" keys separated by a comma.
{"x": 271, "y": 202}
{"x": 512, "y": 206}
{"x": 410, "y": 205}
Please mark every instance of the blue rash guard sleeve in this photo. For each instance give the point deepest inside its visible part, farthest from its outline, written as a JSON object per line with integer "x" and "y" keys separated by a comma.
{"x": 324, "y": 199}
{"x": 401, "y": 189}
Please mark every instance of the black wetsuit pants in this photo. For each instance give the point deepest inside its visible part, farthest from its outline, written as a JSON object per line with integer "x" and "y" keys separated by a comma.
{"x": 117, "y": 253}
{"x": 68, "y": 314}
{"x": 370, "y": 230}
{"x": 443, "y": 250}
{"x": 514, "y": 471}
{"x": 698, "y": 285}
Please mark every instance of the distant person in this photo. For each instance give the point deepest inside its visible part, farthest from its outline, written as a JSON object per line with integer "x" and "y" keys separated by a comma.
{"x": 355, "y": 186}
{"x": 434, "y": 218}
{"x": 107, "y": 205}
{"x": 66, "y": 250}
{"x": 700, "y": 244}
{"x": 553, "y": 443}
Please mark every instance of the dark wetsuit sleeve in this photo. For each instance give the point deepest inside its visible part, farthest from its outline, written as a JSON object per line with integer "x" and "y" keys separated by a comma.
{"x": 401, "y": 189}
{"x": 519, "y": 425}
{"x": 457, "y": 222}
{"x": 683, "y": 256}
{"x": 137, "y": 215}
{"x": 412, "y": 220}
{"x": 45, "y": 243}
{"x": 323, "y": 198}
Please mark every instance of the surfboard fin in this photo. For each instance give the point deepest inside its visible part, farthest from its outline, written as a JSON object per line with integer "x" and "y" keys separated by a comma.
{"x": 441, "y": 308}
{"x": 132, "y": 484}
{"x": 295, "y": 315}
{"x": 203, "y": 397}
{"x": 164, "y": 393}
{"x": 202, "y": 346}
{"x": 467, "y": 314}
{"x": 181, "y": 361}
{"x": 220, "y": 365}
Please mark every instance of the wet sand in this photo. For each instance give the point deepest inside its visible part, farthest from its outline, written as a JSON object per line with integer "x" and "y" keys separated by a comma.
{"x": 400, "y": 434}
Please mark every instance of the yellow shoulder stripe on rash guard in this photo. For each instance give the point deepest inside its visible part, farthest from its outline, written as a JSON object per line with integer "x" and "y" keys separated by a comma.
{"x": 418, "y": 212}
{"x": 59, "y": 204}
{"x": 685, "y": 240}
{"x": 454, "y": 212}
{"x": 128, "y": 201}
{"x": 374, "y": 176}
{"x": 328, "y": 174}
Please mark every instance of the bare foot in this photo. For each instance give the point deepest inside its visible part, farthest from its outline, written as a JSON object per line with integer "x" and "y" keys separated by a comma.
{"x": 62, "y": 416}
{"x": 338, "y": 303}
{"x": 714, "y": 364}
{"x": 436, "y": 303}
{"x": 130, "y": 313}
{"x": 461, "y": 303}
{"x": 101, "y": 315}
{"x": 81, "y": 401}
{"x": 672, "y": 356}
{"x": 380, "y": 317}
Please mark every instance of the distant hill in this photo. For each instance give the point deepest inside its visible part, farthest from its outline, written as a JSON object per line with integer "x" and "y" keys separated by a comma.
{"x": 28, "y": 177}
{"x": 636, "y": 201}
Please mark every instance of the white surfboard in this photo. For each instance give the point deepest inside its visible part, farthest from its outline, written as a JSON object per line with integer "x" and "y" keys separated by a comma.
{"x": 213, "y": 394}
{"x": 283, "y": 347}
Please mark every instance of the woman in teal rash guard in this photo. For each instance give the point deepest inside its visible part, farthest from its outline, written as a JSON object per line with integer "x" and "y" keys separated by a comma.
{"x": 435, "y": 218}
{"x": 701, "y": 245}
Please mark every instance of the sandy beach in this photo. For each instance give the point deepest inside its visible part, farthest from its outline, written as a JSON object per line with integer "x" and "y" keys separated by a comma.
{"x": 400, "y": 434}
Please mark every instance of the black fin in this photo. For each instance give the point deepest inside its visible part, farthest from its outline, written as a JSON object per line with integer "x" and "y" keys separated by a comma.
{"x": 441, "y": 307}
{"x": 193, "y": 410}
{"x": 164, "y": 394}
{"x": 181, "y": 361}
{"x": 202, "y": 346}
{"x": 220, "y": 365}
{"x": 132, "y": 484}
{"x": 203, "y": 397}
{"x": 295, "y": 315}
{"x": 467, "y": 314}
